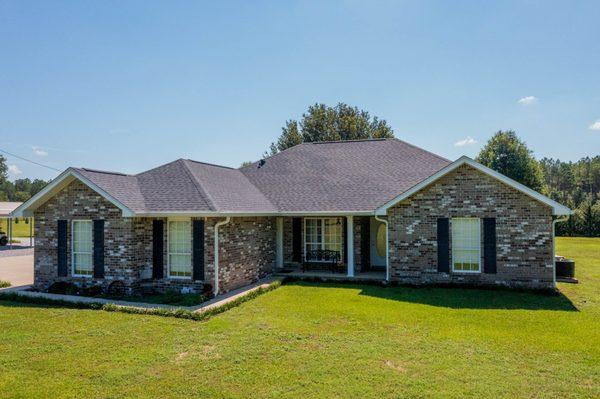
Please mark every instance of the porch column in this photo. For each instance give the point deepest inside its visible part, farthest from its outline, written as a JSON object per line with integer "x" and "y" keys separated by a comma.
{"x": 279, "y": 244}
{"x": 350, "y": 244}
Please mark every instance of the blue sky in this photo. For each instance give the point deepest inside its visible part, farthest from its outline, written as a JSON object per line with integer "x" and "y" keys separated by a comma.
{"x": 130, "y": 85}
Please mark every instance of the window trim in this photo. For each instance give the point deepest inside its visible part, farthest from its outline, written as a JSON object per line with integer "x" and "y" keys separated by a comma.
{"x": 478, "y": 271}
{"x": 73, "y": 274}
{"x": 322, "y": 244}
{"x": 169, "y": 276}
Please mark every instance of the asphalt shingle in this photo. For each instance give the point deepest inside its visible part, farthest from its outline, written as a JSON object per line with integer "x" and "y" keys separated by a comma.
{"x": 325, "y": 177}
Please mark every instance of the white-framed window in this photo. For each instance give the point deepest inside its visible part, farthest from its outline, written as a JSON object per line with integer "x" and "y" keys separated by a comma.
{"x": 466, "y": 245}
{"x": 323, "y": 233}
{"x": 82, "y": 248}
{"x": 180, "y": 248}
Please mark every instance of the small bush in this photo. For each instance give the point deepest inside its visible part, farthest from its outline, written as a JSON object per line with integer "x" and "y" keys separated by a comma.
{"x": 63, "y": 288}
{"x": 92, "y": 290}
{"x": 4, "y": 284}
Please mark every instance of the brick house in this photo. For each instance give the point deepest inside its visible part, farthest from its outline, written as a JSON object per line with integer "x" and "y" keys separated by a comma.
{"x": 380, "y": 208}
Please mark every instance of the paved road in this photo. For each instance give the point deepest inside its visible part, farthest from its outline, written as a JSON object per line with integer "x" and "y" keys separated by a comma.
{"x": 18, "y": 249}
{"x": 17, "y": 269}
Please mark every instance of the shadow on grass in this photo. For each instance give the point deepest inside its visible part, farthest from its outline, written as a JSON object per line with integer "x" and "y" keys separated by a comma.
{"x": 459, "y": 297}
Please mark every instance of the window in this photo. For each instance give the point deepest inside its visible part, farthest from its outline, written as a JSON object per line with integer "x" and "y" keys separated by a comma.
{"x": 83, "y": 247}
{"x": 466, "y": 245}
{"x": 323, "y": 233}
{"x": 180, "y": 248}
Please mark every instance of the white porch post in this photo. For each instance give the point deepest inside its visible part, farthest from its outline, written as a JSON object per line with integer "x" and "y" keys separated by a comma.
{"x": 279, "y": 244}
{"x": 350, "y": 245}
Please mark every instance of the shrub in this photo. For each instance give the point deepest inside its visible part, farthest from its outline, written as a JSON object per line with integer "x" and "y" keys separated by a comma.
{"x": 4, "y": 284}
{"x": 63, "y": 288}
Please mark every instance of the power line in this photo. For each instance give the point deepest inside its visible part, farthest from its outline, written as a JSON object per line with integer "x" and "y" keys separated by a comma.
{"x": 29, "y": 160}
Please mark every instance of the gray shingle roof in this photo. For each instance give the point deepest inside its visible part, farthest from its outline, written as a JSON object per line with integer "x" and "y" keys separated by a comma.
{"x": 311, "y": 177}
{"x": 342, "y": 176}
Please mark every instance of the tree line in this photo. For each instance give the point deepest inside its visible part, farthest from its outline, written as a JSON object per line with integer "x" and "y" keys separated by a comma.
{"x": 21, "y": 189}
{"x": 574, "y": 184}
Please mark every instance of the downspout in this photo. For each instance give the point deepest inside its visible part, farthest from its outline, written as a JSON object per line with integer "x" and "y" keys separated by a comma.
{"x": 217, "y": 225}
{"x": 387, "y": 247}
{"x": 559, "y": 219}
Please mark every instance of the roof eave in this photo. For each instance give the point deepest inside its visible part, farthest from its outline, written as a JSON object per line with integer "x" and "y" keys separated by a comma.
{"x": 28, "y": 207}
{"x": 557, "y": 209}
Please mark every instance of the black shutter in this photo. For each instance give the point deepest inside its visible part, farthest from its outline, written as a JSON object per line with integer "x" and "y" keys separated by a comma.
{"x": 62, "y": 248}
{"x": 198, "y": 249}
{"x": 98, "y": 248}
{"x": 489, "y": 245}
{"x": 297, "y": 240}
{"x": 365, "y": 244}
{"x": 157, "y": 249}
{"x": 443, "y": 242}
{"x": 345, "y": 243}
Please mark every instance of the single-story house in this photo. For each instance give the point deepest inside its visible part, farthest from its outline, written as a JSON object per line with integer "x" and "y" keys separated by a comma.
{"x": 381, "y": 207}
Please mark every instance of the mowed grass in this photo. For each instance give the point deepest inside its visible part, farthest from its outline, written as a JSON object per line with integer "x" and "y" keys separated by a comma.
{"x": 20, "y": 229}
{"x": 315, "y": 340}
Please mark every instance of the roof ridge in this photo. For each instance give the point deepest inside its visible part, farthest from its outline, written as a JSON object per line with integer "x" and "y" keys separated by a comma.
{"x": 203, "y": 193}
{"x": 347, "y": 141}
{"x": 421, "y": 149}
{"x": 107, "y": 172}
{"x": 210, "y": 164}
{"x": 159, "y": 166}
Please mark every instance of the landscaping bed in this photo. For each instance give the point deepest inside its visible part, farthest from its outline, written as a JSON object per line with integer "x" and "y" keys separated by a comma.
{"x": 170, "y": 297}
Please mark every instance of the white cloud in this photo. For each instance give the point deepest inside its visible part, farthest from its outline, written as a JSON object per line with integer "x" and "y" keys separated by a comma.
{"x": 529, "y": 100}
{"x": 595, "y": 125}
{"x": 39, "y": 151}
{"x": 14, "y": 170}
{"x": 468, "y": 141}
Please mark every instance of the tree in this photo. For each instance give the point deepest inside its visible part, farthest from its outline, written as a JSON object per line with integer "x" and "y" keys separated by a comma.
{"x": 324, "y": 123}
{"x": 507, "y": 154}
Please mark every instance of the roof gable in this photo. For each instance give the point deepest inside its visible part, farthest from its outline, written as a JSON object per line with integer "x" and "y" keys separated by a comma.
{"x": 64, "y": 179}
{"x": 557, "y": 209}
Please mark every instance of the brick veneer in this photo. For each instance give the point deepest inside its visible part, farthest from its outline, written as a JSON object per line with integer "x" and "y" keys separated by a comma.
{"x": 247, "y": 245}
{"x": 77, "y": 201}
{"x": 523, "y": 228}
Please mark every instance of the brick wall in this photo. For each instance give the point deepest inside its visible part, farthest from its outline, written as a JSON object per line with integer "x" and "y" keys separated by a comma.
{"x": 77, "y": 201}
{"x": 247, "y": 245}
{"x": 246, "y": 250}
{"x": 523, "y": 229}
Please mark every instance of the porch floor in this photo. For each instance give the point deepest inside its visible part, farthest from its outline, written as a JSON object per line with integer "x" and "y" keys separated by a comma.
{"x": 358, "y": 276}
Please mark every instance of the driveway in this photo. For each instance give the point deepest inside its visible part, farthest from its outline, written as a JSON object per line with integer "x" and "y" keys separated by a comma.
{"x": 16, "y": 264}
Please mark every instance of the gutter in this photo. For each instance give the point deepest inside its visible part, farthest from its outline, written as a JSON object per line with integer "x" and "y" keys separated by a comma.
{"x": 217, "y": 225}
{"x": 387, "y": 249}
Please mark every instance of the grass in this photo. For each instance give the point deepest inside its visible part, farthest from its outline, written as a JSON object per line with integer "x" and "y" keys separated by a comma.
{"x": 314, "y": 340}
{"x": 20, "y": 229}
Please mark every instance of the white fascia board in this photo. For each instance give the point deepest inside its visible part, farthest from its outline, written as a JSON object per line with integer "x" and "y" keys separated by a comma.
{"x": 28, "y": 207}
{"x": 557, "y": 209}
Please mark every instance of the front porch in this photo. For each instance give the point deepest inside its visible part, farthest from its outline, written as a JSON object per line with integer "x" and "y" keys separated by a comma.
{"x": 332, "y": 247}
{"x": 359, "y": 277}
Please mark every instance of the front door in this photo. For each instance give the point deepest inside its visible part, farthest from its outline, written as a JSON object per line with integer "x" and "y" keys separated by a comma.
{"x": 378, "y": 237}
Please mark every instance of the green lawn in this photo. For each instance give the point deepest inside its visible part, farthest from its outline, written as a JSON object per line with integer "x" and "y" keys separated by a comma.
{"x": 20, "y": 229}
{"x": 311, "y": 340}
